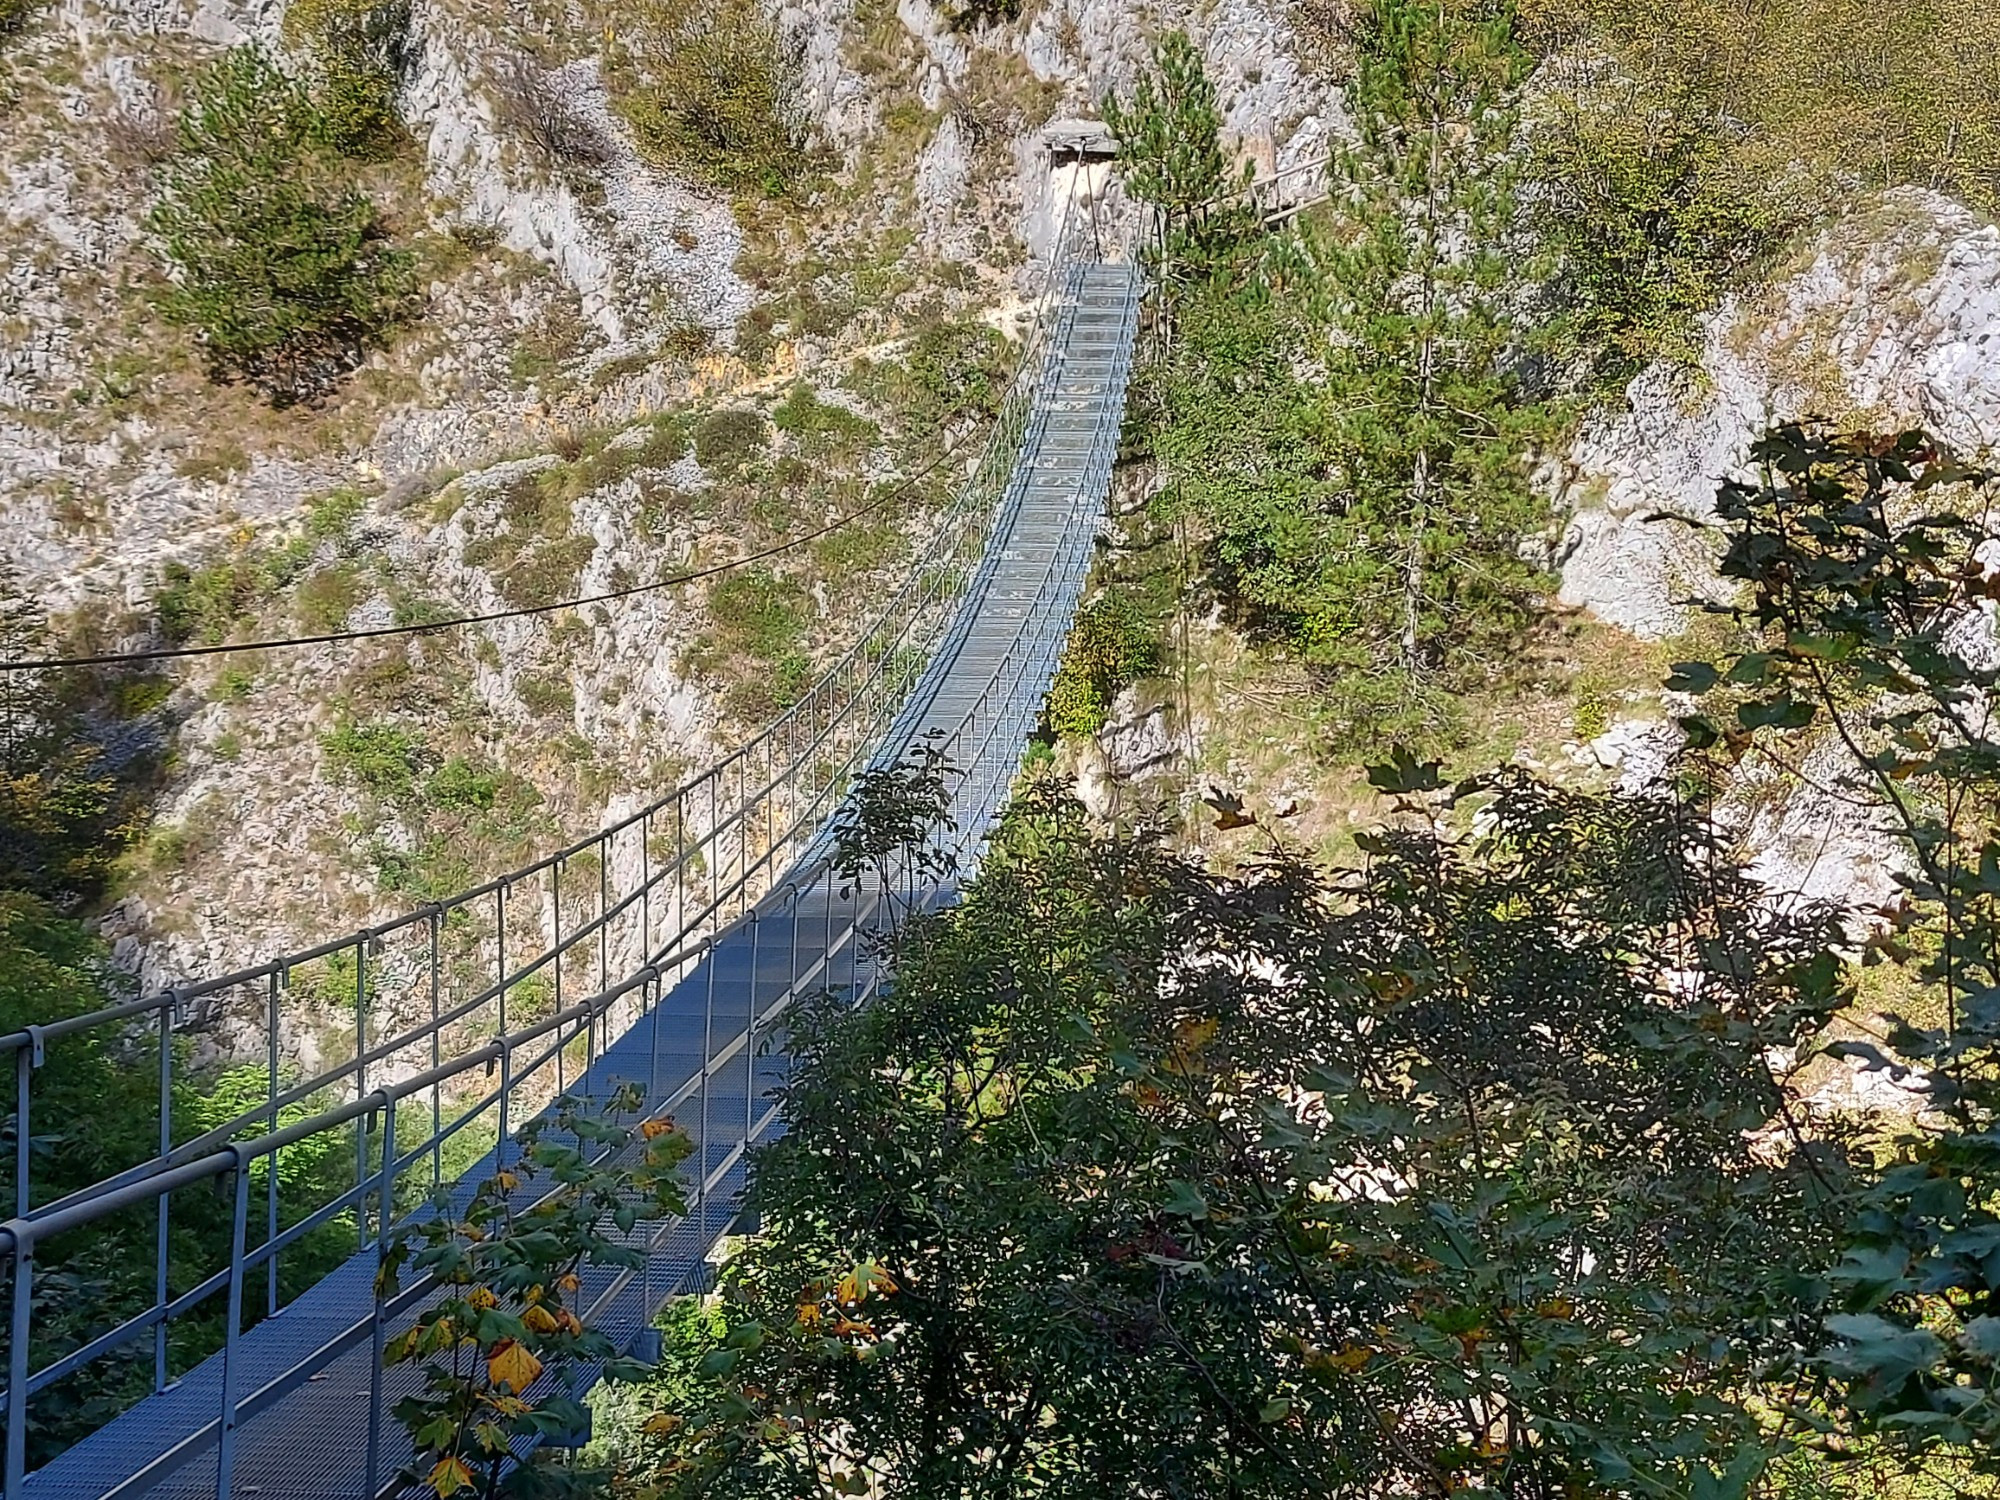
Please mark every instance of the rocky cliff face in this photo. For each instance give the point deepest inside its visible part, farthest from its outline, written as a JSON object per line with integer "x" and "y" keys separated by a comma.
{"x": 565, "y": 312}
{"x": 1888, "y": 320}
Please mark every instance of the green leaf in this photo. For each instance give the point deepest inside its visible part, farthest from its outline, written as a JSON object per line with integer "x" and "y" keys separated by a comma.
{"x": 719, "y": 1364}
{"x": 1693, "y": 677}
{"x": 1185, "y": 1200}
{"x": 1878, "y": 1350}
{"x": 1405, "y": 774}
{"x": 1980, "y": 1338}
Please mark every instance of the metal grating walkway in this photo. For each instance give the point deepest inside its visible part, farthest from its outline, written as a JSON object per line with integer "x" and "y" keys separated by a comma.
{"x": 302, "y": 1394}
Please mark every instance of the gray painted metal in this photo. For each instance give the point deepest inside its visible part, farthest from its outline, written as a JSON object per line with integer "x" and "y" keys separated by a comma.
{"x": 295, "y": 1406}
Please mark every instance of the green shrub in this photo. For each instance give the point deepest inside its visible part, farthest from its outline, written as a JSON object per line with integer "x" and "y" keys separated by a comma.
{"x": 15, "y": 15}
{"x": 819, "y": 428}
{"x": 360, "y": 51}
{"x": 325, "y": 600}
{"x": 712, "y": 89}
{"x": 950, "y": 372}
{"x": 1110, "y": 647}
{"x": 758, "y": 613}
{"x": 728, "y": 440}
{"x": 199, "y": 605}
{"x": 1651, "y": 220}
{"x": 385, "y": 759}
{"x": 281, "y": 267}
{"x": 973, "y": 14}
{"x": 459, "y": 786}
{"x": 1681, "y": 142}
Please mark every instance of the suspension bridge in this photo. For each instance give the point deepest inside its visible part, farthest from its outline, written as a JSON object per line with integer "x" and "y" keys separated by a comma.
{"x": 661, "y": 952}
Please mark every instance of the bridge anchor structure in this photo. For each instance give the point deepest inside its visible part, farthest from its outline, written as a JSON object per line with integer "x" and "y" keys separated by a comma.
{"x": 720, "y": 905}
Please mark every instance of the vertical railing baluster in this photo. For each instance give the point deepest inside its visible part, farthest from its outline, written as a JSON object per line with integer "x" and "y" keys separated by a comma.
{"x": 385, "y": 1197}
{"x": 500, "y": 979}
{"x": 225, "y": 1453}
{"x": 21, "y": 1294}
{"x": 23, "y": 1132}
{"x": 163, "y": 1212}
{"x": 360, "y": 1087}
{"x": 437, "y": 1085}
{"x": 271, "y": 1125}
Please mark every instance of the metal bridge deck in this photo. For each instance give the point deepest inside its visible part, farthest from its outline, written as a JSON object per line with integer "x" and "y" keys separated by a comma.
{"x": 307, "y": 1387}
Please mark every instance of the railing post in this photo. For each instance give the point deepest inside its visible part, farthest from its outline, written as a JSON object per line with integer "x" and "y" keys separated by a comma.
{"x": 385, "y": 1195}
{"x": 750, "y": 1031}
{"x": 360, "y": 1087}
{"x": 225, "y": 1453}
{"x": 17, "y": 1367}
{"x": 556, "y": 964}
{"x": 437, "y": 1086}
{"x": 163, "y": 1213}
{"x": 271, "y": 1124}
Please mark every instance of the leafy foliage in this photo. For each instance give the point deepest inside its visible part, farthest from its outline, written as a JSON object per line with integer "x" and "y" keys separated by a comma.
{"x": 1643, "y": 208}
{"x": 504, "y": 1352}
{"x": 1110, "y": 647}
{"x": 68, "y": 805}
{"x": 15, "y": 16}
{"x": 361, "y": 51}
{"x": 971, "y": 15}
{"x": 281, "y": 265}
{"x": 95, "y": 1111}
{"x": 713, "y": 90}
{"x": 1866, "y": 565}
{"x": 952, "y": 373}
{"x": 1680, "y": 144}
{"x": 1142, "y": 1179}
{"x": 892, "y": 826}
{"x": 1826, "y": 94}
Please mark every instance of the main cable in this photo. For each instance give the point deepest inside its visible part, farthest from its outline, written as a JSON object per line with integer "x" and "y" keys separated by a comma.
{"x": 176, "y": 653}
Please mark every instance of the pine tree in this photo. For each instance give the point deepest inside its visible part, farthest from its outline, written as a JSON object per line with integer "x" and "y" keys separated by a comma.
{"x": 1425, "y": 424}
{"x": 1170, "y": 151}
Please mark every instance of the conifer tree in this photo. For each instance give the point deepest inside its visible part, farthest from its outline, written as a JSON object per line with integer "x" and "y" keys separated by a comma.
{"x": 1170, "y": 152}
{"x": 1426, "y": 425}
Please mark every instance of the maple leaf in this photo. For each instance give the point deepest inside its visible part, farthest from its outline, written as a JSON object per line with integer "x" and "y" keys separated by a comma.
{"x": 652, "y": 1130}
{"x": 449, "y": 1477}
{"x": 482, "y": 1298}
{"x": 539, "y": 1319}
{"x": 512, "y": 1365}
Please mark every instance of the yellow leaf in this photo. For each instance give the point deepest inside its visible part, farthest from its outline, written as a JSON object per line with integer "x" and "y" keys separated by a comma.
{"x": 539, "y": 1319}
{"x": 510, "y": 1364}
{"x": 482, "y": 1298}
{"x": 666, "y": 1424}
{"x": 568, "y": 1282}
{"x": 449, "y": 1477}
{"x": 508, "y": 1406}
{"x": 506, "y": 1181}
{"x": 652, "y": 1130}
{"x": 809, "y": 1316}
{"x": 1557, "y": 1307}
{"x": 1351, "y": 1357}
